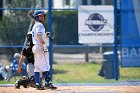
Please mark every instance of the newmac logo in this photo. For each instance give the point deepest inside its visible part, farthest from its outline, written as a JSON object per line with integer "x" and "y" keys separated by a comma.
{"x": 96, "y": 22}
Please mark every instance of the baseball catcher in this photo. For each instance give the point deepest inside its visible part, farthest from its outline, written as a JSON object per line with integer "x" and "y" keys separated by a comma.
{"x": 27, "y": 53}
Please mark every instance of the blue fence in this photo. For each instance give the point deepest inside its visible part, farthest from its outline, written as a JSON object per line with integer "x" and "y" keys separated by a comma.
{"x": 130, "y": 33}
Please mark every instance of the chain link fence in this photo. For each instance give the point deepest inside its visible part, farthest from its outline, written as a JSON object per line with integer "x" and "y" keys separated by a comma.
{"x": 14, "y": 25}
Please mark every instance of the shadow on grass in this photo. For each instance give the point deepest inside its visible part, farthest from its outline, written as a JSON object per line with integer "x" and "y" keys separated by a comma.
{"x": 59, "y": 71}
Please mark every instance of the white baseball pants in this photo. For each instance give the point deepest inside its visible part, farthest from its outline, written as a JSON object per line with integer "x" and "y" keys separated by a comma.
{"x": 41, "y": 59}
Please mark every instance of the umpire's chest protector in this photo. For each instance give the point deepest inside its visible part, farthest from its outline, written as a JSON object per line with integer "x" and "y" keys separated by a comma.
{"x": 29, "y": 38}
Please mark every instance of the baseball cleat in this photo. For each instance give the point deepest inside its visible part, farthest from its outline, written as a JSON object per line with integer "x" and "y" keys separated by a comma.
{"x": 50, "y": 86}
{"x": 39, "y": 87}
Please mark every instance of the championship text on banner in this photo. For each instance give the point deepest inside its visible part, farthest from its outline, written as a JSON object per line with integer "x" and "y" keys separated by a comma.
{"x": 96, "y": 24}
{"x": 130, "y": 33}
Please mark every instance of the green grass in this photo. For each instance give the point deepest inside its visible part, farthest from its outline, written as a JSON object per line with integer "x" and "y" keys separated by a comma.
{"x": 86, "y": 73}
{"x": 12, "y": 81}
{"x": 130, "y": 73}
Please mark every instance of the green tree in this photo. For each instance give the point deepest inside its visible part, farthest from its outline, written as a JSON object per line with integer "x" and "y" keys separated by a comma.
{"x": 65, "y": 27}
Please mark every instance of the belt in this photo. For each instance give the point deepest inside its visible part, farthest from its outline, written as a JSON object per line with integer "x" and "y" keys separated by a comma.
{"x": 36, "y": 44}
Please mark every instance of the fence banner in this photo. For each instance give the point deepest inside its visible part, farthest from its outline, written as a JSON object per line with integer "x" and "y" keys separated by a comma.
{"x": 130, "y": 33}
{"x": 96, "y": 24}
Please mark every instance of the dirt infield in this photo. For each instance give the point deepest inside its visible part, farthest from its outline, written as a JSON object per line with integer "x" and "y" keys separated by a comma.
{"x": 75, "y": 89}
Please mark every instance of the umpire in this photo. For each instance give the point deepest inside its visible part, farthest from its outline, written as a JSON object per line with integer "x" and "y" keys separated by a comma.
{"x": 27, "y": 53}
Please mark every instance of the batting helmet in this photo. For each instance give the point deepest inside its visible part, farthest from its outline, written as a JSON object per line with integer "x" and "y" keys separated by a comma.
{"x": 37, "y": 13}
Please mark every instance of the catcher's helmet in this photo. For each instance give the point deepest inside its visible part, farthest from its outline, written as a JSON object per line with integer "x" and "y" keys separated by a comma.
{"x": 37, "y": 13}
